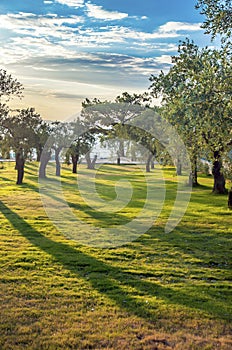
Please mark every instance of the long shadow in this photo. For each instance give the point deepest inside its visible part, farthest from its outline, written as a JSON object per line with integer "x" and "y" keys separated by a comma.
{"x": 29, "y": 186}
{"x": 101, "y": 216}
{"x": 6, "y": 179}
{"x": 111, "y": 281}
{"x": 203, "y": 246}
{"x": 24, "y": 185}
{"x": 31, "y": 165}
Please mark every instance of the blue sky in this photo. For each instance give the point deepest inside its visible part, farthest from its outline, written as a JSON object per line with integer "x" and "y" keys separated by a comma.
{"x": 65, "y": 50}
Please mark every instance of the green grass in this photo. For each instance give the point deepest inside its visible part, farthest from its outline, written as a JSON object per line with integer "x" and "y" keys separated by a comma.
{"x": 161, "y": 291}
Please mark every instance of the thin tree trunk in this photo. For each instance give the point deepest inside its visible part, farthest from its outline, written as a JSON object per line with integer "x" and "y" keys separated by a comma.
{"x": 178, "y": 167}
{"x": 195, "y": 177}
{"x": 118, "y": 158}
{"x": 20, "y": 175}
{"x": 149, "y": 158}
{"x": 152, "y": 163}
{"x": 193, "y": 180}
{"x": 75, "y": 159}
{"x": 230, "y": 199}
{"x": 6, "y": 155}
{"x": 39, "y": 151}
{"x": 19, "y": 166}
{"x": 120, "y": 152}
{"x": 122, "y": 148}
{"x": 94, "y": 161}
{"x": 57, "y": 159}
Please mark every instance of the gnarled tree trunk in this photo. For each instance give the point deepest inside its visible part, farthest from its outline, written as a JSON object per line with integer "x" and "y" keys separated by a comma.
{"x": 219, "y": 185}
{"x": 219, "y": 180}
{"x": 45, "y": 157}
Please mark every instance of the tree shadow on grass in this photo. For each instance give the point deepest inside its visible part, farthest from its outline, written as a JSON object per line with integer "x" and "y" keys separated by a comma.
{"x": 128, "y": 291}
{"x": 31, "y": 164}
{"x": 6, "y": 179}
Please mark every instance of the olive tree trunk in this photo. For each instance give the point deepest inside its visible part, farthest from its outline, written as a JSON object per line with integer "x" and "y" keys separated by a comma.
{"x": 75, "y": 159}
{"x": 219, "y": 185}
{"x": 19, "y": 166}
{"x": 44, "y": 159}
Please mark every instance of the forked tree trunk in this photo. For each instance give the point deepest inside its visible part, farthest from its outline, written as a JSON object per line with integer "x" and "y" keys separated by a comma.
{"x": 45, "y": 157}
{"x": 88, "y": 160}
{"x": 90, "y": 164}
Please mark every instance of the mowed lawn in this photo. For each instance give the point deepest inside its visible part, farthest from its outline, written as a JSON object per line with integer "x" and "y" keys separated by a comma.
{"x": 161, "y": 291}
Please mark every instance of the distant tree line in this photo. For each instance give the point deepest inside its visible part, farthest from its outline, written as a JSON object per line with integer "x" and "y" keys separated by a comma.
{"x": 196, "y": 100}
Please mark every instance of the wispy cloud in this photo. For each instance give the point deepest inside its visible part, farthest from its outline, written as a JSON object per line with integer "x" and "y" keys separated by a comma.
{"x": 71, "y": 3}
{"x": 98, "y": 12}
{"x": 73, "y": 33}
{"x": 84, "y": 67}
{"x": 40, "y": 26}
{"x": 93, "y": 54}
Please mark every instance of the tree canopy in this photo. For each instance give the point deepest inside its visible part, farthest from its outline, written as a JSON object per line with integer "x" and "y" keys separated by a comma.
{"x": 218, "y": 17}
{"x": 196, "y": 97}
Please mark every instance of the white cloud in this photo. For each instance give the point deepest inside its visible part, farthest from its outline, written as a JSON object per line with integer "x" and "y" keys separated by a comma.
{"x": 135, "y": 65}
{"x": 67, "y": 37}
{"x": 174, "y": 27}
{"x": 70, "y": 31}
{"x": 40, "y": 26}
{"x": 56, "y": 46}
{"x": 121, "y": 34}
{"x": 98, "y": 12}
{"x": 164, "y": 59}
{"x": 65, "y": 56}
{"x": 71, "y": 3}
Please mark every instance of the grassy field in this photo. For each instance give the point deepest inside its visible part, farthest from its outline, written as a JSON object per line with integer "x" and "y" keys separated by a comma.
{"x": 162, "y": 291}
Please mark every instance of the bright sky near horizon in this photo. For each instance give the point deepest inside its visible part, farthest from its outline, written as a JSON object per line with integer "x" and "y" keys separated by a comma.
{"x": 63, "y": 51}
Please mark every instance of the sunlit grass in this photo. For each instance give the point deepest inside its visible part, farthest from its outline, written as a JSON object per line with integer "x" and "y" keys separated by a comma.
{"x": 161, "y": 291}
